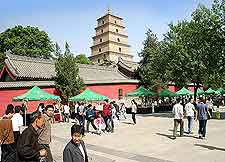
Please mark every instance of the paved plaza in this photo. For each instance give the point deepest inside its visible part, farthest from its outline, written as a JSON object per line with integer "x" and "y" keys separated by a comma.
{"x": 147, "y": 141}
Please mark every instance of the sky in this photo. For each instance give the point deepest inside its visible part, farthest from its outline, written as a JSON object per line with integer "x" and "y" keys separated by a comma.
{"x": 74, "y": 20}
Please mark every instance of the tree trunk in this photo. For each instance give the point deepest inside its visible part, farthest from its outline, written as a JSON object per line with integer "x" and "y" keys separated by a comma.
{"x": 196, "y": 86}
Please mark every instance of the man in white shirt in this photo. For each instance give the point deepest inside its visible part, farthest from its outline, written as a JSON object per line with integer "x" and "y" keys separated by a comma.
{"x": 178, "y": 118}
{"x": 17, "y": 122}
{"x": 66, "y": 113}
{"x": 190, "y": 112}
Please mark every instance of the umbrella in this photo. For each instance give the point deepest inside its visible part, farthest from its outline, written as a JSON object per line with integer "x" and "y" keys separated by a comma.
{"x": 200, "y": 91}
{"x": 36, "y": 94}
{"x": 183, "y": 92}
{"x": 210, "y": 91}
{"x": 220, "y": 91}
{"x": 88, "y": 95}
{"x": 166, "y": 93}
{"x": 141, "y": 91}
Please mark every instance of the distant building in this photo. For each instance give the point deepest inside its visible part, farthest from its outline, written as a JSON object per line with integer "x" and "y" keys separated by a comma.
{"x": 111, "y": 41}
{"x": 21, "y": 73}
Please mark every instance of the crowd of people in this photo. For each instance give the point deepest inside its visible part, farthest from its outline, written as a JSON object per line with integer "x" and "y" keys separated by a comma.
{"x": 33, "y": 143}
{"x": 29, "y": 145}
{"x": 199, "y": 111}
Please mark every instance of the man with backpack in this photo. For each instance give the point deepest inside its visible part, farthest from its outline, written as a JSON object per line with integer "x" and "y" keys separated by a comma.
{"x": 90, "y": 116}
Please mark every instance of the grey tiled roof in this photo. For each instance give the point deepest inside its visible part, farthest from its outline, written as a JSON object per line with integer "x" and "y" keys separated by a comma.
{"x": 27, "y": 68}
{"x": 19, "y": 84}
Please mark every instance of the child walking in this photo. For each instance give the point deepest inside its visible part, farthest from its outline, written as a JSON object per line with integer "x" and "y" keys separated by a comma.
{"x": 99, "y": 123}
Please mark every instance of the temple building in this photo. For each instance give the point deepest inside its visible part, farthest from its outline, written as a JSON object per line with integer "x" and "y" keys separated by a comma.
{"x": 21, "y": 73}
{"x": 110, "y": 41}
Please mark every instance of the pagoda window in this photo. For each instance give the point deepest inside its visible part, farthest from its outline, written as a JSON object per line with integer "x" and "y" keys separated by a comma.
{"x": 98, "y": 60}
{"x": 100, "y": 40}
{"x": 117, "y": 30}
{"x": 120, "y": 49}
{"x": 115, "y": 21}
{"x": 103, "y": 22}
{"x": 102, "y": 30}
{"x": 118, "y": 39}
{"x": 100, "y": 50}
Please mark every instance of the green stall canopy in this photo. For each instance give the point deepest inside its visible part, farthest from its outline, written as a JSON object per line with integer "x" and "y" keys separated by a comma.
{"x": 88, "y": 95}
{"x": 200, "y": 91}
{"x": 141, "y": 91}
{"x": 210, "y": 91}
{"x": 167, "y": 93}
{"x": 36, "y": 94}
{"x": 220, "y": 91}
{"x": 184, "y": 92}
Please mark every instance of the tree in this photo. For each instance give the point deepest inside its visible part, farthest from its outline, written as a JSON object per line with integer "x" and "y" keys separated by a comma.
{"x": 67, "y": 49}
{"x": 2, "y": 59}
{"x": 67, "y": 78}
{"x": 196, "y": 48}
{"x": 151, "y": 71}
{"x": 191, "y": 51}
{"x": 26, "y": 41}
{"x": 58, "y": 51}
{"x": 82, "y": 59}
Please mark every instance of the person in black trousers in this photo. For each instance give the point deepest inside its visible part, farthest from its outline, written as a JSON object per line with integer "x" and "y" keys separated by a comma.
{"x": 133, "y": 110}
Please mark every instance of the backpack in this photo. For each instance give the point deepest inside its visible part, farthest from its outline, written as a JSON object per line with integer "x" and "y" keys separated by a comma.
{"x": 90, "y": 114}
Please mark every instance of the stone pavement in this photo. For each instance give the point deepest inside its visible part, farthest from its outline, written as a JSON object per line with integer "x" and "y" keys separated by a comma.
{"x": 147, "y": 141}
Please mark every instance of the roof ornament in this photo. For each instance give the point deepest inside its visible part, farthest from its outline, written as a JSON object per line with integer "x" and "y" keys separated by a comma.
{"x": 109, "y": 10}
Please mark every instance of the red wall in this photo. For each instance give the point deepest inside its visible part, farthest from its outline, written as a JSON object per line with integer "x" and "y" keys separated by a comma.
{"x": 112, "y": 90}
{"x": 6, "y": 96}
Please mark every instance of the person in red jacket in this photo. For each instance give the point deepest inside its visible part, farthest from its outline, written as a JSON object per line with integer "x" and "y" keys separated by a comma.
{"x": 107, "y": 115}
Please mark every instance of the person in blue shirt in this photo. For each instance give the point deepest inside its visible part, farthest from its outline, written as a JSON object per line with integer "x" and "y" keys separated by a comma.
{"x": 202, "y": 116}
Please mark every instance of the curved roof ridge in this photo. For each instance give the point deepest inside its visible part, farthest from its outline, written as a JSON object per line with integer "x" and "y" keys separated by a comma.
{"x": 29, "y": 59}
{"x": 91, "y": 66}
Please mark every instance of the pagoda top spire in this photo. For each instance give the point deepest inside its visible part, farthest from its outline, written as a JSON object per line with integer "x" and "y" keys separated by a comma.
{"x": 109, "y": 10}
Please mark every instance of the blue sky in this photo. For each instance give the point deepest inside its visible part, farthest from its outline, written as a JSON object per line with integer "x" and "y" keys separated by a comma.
{"x": 74, "y": 20}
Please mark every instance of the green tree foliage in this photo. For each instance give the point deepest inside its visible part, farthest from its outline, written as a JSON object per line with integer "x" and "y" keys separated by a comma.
{"x": 82, "y": 59}
{"x": 26, "y": 41}
{"x": 67, "y": 49}
{"x": 2, "y": 59}
{"x": 57, "y": 49}
{"x": 192, "y": 51}
{"x": 151, "y": 71}
{"x": 67, "y": 78}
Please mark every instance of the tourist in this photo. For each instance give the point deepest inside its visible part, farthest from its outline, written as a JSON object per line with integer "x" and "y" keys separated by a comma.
{"x": 178, "y": 118}
{"x": 66, "y": 113}
{"x": 81, "y": 116}
{"x": 8, "y": 147}
{"x": 117, "y": 108}
{"x": 44, "y": 134}
{"x": 202, "y": 116}
{"x": 133, "y": 110}
{"x": 100, "y": 123}
{"x": 75, "y": 150}
{"x": 28, "y": 148}
{"x": 41, "y": 107}
{"x": 107, "y": 115}
{"x": 90, "y": 116}
{"x": 17, "y": 122}
{"x": 209, "y": 105}
{"x": 190, "y": 112}
{"x": 123, "y": 110}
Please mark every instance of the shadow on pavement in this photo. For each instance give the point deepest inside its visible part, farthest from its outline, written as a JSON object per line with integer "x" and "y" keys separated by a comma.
{"x": 210, "y": 147}
{"x": 128, "y": 123}
{"x": 166, "y": 135}
{"x": 160, "y": 115}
